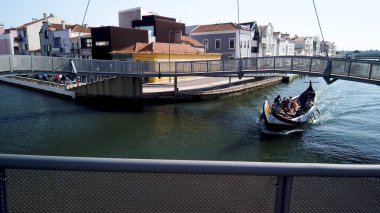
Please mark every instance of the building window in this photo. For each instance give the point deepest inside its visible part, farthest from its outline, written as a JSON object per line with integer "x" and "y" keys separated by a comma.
{"x": 102, "y": 43}
{"x": 217, "y": 44}
{"x": 232, "y": 43}
{"x": 248, "y": 44}
{"x": 205, "y": 43}
{"x": 89, "y": 42}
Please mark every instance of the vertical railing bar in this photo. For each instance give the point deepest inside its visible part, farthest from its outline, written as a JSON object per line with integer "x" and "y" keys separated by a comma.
{"x": 31, "y": 63}
{"x": 10, "y": 63}
{"x": 291, "y": 63}
{"x": 311, "y": 64}
{"x": 3, "y": 195}
{"x": 287, "y": 194}
{"x": 370, "y": 71}
{"x": 257, "y": 64}
{"x": 349, "y": 69}
{"x": 274, "y": 63}
{"x": 52, "y": 64}
{"x": 191, "y": 67}
{"x": 207, "y": 66}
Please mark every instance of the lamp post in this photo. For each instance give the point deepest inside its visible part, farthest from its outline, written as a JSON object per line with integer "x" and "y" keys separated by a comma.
{"x": 170, "y": 79}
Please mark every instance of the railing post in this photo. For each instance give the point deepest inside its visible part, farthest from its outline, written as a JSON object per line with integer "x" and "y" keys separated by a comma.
{"x": 52, "y": 64}
{"x": 223, "y": 65}
{"x": 31, "y": 63}
{"x": 90, "y": 65}
{"x": 257, "y": 64}
{"x": 10, "y": 63}
{"x": 349, "y": 69}
{"x": 207, "y": 65}
{"x": 311, "y": 64}
{"x": 284, "y": 191}
{"x": 291, "y": 63}
{"x": 191, "y": 67}
{"x": 370, "y": 72}
{"x": 175, "y": 80}
{"x": 274, "y": 63}
{"x": 3, "y": 195}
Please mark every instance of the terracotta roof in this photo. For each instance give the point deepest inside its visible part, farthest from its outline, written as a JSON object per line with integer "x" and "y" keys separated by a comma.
{"x": 285, "y": 36}
{"x": 29, "y": 23}
{"x": 191, "y": 41}
{"x": 215, "y": 27}
{"x": 74, "y": 28}
{"x": 299, "y": 39}
{"x": 156, "y": 47}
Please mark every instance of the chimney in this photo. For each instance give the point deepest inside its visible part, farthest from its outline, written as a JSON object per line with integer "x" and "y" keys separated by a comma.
{"x": 2, "y": 29}
{"x": 85, "y": 25}
{"x": 177, "y": 37}
{"x": 51, "y": 15}
{"x": 63, "y": 25}
{"x": 45, "y": 16}
{"x": 34, "y": 19}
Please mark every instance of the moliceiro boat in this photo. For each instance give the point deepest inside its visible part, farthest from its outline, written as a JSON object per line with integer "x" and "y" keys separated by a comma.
{"x": 290, "y": 113}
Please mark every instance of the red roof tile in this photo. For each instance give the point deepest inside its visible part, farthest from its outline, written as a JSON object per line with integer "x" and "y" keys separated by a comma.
{"x": 215, "y": 27}
{"x": 191, "y": 41}
{"x": 156, "y": 47}
{"x": 29, "y": 23}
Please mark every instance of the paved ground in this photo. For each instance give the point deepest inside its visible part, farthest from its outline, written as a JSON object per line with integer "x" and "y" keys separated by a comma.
{"x": 185, "y": 84}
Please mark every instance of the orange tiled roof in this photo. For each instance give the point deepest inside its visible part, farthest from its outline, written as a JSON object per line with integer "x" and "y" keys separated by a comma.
{"x": 29, "y": 23}
{"x": 156, "y": 47}
{"x": 191, "y": 41}
{"x": 215, "y": 27}
{"x": 299, "y": 39}
{"x": 74, "y": 28}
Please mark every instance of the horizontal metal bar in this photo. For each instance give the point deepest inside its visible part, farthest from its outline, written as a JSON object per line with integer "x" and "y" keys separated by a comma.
{"x": 191, "y": 167}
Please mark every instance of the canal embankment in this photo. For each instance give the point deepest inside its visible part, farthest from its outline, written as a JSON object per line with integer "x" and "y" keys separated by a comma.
{"x": 189, "y": 89}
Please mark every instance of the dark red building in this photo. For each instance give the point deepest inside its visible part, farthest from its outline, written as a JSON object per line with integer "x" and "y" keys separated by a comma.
{"x": 108, "y": 39}
{"x": 161, "y": 27}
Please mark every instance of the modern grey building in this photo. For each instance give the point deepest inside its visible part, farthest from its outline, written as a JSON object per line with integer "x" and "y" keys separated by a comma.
{"x": 224, "y": 38}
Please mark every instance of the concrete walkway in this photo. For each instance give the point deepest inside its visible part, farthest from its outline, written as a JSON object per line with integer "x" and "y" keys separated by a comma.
{"x": 193, "y": 83}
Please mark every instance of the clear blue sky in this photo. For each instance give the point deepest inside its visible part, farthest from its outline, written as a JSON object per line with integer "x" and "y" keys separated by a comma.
{"x": 350, "y": 24}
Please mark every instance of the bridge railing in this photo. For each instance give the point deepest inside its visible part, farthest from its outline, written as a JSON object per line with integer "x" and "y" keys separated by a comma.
{"x": 342, "y": 68}
{"x": 55, "y": 184}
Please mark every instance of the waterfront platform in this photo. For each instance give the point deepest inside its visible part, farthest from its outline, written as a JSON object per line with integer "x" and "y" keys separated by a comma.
{"x": 189, "y": 89}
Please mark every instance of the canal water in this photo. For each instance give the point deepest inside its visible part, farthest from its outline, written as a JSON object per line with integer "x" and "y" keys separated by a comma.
{"x": 347, "y": 130}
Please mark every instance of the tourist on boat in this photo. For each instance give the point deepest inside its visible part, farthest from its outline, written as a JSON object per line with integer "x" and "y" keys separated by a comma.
{"x": 277, "y": 99}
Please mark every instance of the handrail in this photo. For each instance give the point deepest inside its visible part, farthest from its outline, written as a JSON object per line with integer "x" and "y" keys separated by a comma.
{"x": 186, "y": 166}
{"x": 16, "y": 65}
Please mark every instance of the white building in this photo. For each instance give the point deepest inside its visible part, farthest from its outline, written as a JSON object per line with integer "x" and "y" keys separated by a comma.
{"x": 307, "y": 46}
{"x": 28, "y": 34}
{"x": 282, "y": 44}
{"x": 127, "y": 16}
{"x": 267, "y": 47}
{"x": 56, "y": 39}
{"x": 8, "y": 41}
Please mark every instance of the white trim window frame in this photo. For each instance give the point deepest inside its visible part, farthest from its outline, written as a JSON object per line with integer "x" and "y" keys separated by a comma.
{"x": 205, "y": 43}
{"x": 220, "y": 44}
{"x": 229, "y": 43}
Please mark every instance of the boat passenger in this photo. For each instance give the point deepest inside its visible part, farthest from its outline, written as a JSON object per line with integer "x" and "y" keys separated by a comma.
{"x": 277, "y": 99}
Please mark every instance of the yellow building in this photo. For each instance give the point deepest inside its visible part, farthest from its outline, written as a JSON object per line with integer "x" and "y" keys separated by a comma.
{"x": 159, "y": 52}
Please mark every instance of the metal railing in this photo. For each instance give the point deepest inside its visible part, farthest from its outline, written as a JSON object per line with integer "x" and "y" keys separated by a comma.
{"x": 354, "y": 70}
{"x": 72, "y": 184}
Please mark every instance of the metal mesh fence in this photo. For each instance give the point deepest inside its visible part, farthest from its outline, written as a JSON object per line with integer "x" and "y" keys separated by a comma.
{"x": 301, "y": 64}
{"x": 375, "y": 72}
{"x": 283, "y": 63}
{"x": 61, "y": 65}
{"x": 360, "y": 70}
{"x": 82, "y": 65}
{"x": 318, "y": 65}
{"x": 74, "y": 191}
{"x": 21, "y": 63}
{"x": 335, "y": 194}
{"x": 266, "y": 63}
{"x": 340, "y": 67}
{"x": 4, "y": 64}
{"x": 42, "y": 63}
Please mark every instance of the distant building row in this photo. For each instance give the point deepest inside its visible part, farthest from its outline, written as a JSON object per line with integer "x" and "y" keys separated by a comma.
{"x": 51, "y": 36}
